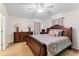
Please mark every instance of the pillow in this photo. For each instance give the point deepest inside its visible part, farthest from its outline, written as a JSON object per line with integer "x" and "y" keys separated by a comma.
{"x": 55, "y": 32}
{"x": 52, "y": 33}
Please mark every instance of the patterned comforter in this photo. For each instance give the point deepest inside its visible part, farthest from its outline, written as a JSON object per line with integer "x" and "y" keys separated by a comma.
{"x": 54, "y": 44}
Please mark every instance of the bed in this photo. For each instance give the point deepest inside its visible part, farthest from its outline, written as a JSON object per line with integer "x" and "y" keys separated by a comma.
{"x": 45, "y": 44}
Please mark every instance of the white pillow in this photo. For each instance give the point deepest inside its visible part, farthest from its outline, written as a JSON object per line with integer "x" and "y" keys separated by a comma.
{"x": 55, "y": 32}
{"x": 52, "y": 33}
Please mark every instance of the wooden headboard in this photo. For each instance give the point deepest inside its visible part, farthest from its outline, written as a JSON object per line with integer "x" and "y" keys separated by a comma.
{"x": 55, "y": 27}
{"x": 66, "y": 31}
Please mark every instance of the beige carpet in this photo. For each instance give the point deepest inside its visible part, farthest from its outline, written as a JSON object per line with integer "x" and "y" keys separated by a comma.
{"x": 17, "y": 49}
{"x": 69, "y": 52}
{"x": 21, "y": 49}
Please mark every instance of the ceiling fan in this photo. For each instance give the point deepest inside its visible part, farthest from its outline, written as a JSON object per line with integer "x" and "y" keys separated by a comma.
{"x": 38, "y": 7}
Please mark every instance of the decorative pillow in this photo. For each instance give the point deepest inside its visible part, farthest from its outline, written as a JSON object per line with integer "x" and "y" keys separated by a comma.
{"x": 52, "y": 33}
{"x": 55, "y": 32}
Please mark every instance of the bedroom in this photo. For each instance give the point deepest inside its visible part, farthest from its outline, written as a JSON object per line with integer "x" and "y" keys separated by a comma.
{"x": 20, "y": 19}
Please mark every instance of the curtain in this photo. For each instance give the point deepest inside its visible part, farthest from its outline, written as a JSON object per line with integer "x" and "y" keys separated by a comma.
{"x": 37, "y": 28}
{"x": 58, "y": 21}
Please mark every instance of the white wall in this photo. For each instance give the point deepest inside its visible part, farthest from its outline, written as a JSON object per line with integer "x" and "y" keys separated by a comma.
{"x": 3, "y": 10}
{"x": 72, "y": 20}
{"x": 11, "y": 22}
{"x": 11, "y": 26}
{"x": 47, "y": 23}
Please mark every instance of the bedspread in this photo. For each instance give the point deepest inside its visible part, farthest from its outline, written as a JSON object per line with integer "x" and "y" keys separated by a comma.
{"x": 55, "y": 48}
{"x": 54, "y": 44}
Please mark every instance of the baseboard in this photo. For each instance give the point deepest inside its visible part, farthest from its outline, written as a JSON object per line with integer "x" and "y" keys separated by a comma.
{"x": 11, "y": 43}
{"x": 75, "y": 49}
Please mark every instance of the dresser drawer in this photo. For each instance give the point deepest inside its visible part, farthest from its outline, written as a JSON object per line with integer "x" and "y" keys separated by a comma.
{"x": 20, "y": 36}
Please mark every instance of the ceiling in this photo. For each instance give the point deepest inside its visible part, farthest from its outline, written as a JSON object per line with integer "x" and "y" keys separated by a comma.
{"x": 30, "y": 10}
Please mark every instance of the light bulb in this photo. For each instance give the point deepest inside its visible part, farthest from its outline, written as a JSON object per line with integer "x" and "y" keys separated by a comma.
{"x": 40, "y": 10}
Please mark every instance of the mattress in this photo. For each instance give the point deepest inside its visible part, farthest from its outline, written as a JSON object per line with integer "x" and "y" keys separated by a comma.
{"x": 54, "y": 44}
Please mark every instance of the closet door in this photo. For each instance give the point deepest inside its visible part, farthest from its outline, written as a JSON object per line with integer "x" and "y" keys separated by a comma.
{"x": 2, "y": 33}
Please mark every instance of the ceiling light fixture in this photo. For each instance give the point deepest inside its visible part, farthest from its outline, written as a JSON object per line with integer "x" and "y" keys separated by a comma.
{"x": 40, "y": 10}
{"x": 39, "y": 7}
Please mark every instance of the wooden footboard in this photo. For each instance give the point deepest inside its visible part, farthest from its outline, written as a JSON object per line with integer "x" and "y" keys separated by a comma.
{"x": 38, "y": 48}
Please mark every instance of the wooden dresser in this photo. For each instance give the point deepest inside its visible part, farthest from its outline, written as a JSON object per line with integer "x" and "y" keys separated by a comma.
{"x": 20, "y": 36}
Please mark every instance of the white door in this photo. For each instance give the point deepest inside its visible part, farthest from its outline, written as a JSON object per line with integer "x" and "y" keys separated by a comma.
{"x": 2, "y": 33}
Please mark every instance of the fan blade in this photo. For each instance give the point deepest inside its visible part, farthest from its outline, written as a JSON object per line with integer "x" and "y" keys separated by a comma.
{"x": 29, "y": 6}
{"x": 48, "y": 5}
{"x": 49, "y": 12}
{"x": 39, "y": 5}
{"x": 31, "y": 10}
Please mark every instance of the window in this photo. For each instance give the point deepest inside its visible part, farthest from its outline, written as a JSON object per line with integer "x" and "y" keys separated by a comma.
{"x": 58, "y": 21}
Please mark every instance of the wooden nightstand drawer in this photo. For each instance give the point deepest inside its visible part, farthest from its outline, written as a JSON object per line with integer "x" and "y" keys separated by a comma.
{"x": 20, "y": 36}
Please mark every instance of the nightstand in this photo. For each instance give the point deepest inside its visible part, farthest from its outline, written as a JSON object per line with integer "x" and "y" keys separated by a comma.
{"x": 43, "y": 31}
